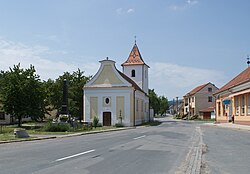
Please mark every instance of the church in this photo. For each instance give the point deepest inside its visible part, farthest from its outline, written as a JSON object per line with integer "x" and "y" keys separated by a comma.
{"x": 117, "y": 97}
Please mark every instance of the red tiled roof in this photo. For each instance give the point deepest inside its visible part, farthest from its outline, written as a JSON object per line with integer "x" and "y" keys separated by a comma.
{"x": 197, "y": 89}
{"x": 134, "y": 57}
{"x": 243, "y": 77}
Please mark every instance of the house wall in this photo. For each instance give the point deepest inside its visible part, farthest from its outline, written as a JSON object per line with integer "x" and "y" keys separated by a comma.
{"x": 142, "y": 108}
{"x": 201, "y": 98}
{"x": 239, "y": 108}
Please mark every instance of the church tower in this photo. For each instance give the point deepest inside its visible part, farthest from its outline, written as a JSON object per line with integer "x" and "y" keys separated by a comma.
{"x": 135, "y": 68}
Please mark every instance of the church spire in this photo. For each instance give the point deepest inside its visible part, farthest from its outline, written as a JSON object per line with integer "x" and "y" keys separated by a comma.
{"x": 134, "y": 57}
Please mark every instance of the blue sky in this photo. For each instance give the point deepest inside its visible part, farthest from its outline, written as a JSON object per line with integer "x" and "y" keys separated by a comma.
{"x": 185, "y": 42}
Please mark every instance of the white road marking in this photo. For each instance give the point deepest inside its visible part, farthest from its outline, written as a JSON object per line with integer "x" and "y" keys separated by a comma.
{"x": 72, "y": 156}
{"x": 139, "y": 137}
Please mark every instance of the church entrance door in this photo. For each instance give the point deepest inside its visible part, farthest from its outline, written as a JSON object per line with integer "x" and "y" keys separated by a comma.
{"x": 106, "y": 118}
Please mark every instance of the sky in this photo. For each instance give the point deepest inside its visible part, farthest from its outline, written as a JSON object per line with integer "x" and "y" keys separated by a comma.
{"x": 186, "y": 43}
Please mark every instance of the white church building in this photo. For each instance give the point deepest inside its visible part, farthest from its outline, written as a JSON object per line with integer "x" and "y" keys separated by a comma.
{"x": 118, "y": 97}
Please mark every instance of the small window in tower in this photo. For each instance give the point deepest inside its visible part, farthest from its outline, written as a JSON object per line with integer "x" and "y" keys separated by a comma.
{"x": 133, "y": 73}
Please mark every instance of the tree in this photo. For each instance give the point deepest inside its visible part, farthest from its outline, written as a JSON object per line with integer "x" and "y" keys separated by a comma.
{"x": 158, "y": 103}
{"x": 22, "y": 93}
{"x": 154, "y": 101}
{"x": 163, "y": 105}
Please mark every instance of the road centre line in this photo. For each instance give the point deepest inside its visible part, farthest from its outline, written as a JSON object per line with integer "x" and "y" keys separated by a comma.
{"x": 72, "y": 156}
{"x": 139, "y": 137}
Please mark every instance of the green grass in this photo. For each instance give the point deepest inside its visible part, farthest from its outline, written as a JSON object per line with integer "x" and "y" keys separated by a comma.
{"x": 7, "y": 132}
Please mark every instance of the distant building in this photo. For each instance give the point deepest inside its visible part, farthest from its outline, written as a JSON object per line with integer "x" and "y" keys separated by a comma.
{"x": 118, "y": 97}
{"x": 233, "y": 100}
{"x": 200, "y": 101}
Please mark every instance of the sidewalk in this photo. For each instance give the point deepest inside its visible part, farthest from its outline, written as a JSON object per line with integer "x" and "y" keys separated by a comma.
{"x": 230, "y": 125}
{"x": 44, "y": 137}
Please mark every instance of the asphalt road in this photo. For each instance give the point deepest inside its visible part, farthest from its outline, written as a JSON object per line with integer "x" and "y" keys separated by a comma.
{"x": 159, "y": 149}
{"x": 228, "y": 150}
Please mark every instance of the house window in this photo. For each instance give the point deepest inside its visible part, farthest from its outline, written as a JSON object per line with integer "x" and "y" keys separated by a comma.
{"x": 237, "y": 105}
{"x": 210, "y": 99}
{"x": 192, "y": 99}
{"x": 2, "y": 116}
{"x": 219, "y": 109}
{"x": 209, "y": 89}
{"x": 242, "y": 105}
{"x": 133, "y": 73}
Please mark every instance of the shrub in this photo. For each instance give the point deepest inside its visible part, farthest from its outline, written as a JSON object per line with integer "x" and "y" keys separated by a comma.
{"x": 95, "y": 122}
{"x": 56, "y": 127}
{"x": 119, "y": 125}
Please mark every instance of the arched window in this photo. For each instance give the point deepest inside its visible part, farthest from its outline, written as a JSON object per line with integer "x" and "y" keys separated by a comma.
{"x": 133, "y": 73}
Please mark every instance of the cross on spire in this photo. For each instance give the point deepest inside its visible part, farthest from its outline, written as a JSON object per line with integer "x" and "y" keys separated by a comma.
{"x": 248, "y": 61}
{"x": 135, "y": 39}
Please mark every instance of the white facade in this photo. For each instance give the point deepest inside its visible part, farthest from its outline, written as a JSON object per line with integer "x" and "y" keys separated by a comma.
{"x": 114, "y": 98}
{"x": 140, "y": 75}
{"x": 112, "y": 94}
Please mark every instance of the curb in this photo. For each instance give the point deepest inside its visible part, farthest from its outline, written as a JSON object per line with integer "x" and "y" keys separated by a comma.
{"x": 236, "y": 127}
{"x": 69, "y": 135}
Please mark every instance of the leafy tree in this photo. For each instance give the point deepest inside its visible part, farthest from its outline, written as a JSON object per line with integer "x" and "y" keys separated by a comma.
{"x": 158, "y": 103}
{"x": 22, "y": 93}
{"x": 154, "y": 101}
{"x": 163, "y": 105}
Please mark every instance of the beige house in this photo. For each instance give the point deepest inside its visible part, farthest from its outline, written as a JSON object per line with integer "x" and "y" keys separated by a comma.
{"x": 233, "y": 100}
{"x": 200, "y": 101}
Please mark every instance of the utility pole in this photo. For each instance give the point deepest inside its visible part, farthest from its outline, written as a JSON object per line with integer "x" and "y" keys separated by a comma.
{"x": 177, "y": 109}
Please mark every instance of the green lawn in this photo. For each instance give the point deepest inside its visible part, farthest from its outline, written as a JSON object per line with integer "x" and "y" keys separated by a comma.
{"x": 7, "y": 132}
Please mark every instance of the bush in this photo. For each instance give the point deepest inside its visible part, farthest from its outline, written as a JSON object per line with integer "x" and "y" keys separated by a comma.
{"x": 56, "y": 127}
{"x": 95, "y": 122}
{"x": 119, "y": 125}
{"x": 87, "y": 127}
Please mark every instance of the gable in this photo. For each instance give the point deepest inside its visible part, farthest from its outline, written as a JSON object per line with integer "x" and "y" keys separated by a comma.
{"x": 107, "y": 76}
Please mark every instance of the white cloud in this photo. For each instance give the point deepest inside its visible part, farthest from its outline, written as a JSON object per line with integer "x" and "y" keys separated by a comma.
{"x": 174, "y": 80}
{"x": 188, "y": 4}
{"x": 12, "y": 53}
{"x": 121, "y": 11}
{"x": 192, "y": 2}
{"x": 131, "y": 10}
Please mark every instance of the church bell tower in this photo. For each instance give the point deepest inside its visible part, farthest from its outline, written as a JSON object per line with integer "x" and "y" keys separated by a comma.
{"x": 135, "y": 68}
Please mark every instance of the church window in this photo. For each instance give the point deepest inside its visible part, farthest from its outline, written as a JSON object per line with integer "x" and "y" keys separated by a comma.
{"x": 133, "y": 73}
{"x": 107, "y": 101}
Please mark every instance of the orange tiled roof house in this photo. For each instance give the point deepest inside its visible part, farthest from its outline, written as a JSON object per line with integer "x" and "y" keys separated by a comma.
{"x": 200, "y": 101}
{"x": 233, "y": 100}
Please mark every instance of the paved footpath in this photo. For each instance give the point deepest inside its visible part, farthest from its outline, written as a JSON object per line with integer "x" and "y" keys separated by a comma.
{"x": 230, "y": 125}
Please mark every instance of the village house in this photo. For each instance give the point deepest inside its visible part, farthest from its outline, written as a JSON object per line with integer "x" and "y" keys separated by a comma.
{"x": 118, "y": 97}
{"x": 200, "y": 101}
{"x": 233, "y": 100}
